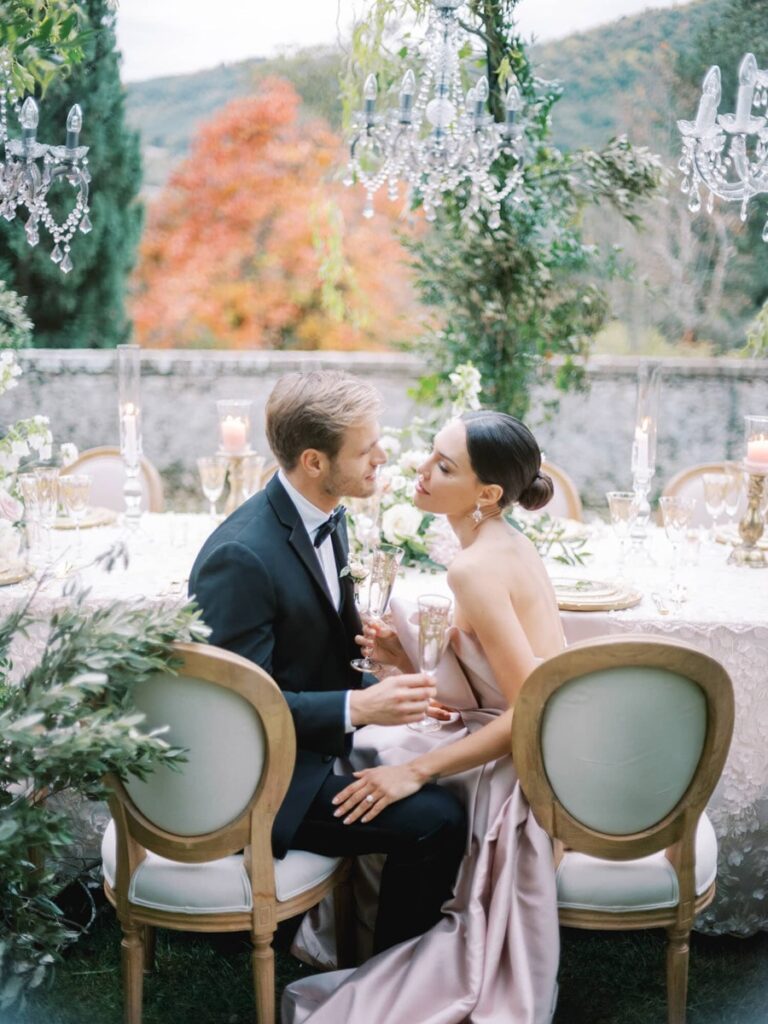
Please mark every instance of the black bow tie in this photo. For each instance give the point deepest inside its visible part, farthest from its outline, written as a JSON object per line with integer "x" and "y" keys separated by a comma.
{"x": 329, "y": 526}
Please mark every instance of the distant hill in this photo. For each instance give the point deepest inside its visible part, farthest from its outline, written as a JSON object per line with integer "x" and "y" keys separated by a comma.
{"x": 611, "y": 77}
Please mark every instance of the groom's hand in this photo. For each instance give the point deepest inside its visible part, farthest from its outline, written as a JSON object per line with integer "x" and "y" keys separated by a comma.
{"x": 396, "y": 700}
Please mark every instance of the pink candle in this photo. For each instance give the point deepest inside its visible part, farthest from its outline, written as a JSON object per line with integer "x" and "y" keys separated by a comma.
{"x": 234, "y": 434}
{"x": 757, "y": 451}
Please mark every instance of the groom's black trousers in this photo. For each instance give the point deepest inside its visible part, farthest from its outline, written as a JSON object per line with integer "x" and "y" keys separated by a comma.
{"x": 424, "y": 837}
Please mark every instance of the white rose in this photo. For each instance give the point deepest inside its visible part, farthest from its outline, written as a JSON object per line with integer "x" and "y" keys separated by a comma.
{"x": 45, "y": 452}
{"x": 10, "y": 545}
{"x": 390, "y": 444}
{"x": 410, "y": 461}
{"x": 69, "y": 453}
{"x": 8, "y": 461}
{"x": 401, "y": 523}
{"x": 10, "y": 508}
{"x": 20, "y": 449}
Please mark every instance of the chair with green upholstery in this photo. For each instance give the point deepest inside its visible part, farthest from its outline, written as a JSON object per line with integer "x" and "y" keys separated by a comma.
{"x": 191, "y": 849}
{"x": 618, "y": 744}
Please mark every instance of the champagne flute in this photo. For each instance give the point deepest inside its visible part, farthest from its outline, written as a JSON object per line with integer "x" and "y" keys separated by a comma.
{"x": 376, "y": 591}
{"x": 623, "y": 509}
{"x": 676, "y": 513}
{"x": 74, "y": 491}
{"x": 434, "y": 620}
{"x": 213, "y": 474}
{"x": 28, "y": 488}
{"x": 47, "y": 486}
{"x": 715, "y": 492}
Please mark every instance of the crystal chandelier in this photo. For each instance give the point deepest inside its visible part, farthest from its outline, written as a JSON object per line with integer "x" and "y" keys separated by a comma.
{"x": 438, "y": 138}
{"x": 30, "y": 168}
{"x": 715, "y": 147}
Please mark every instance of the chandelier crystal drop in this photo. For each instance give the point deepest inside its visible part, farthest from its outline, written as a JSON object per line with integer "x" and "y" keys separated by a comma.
{"x": 727, "y": 153}
{"x": 29, "y": 168}
{"x": 438, "y": 138}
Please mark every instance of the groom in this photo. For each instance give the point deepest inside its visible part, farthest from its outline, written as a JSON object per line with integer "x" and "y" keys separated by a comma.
{"x": 269, "y": 582}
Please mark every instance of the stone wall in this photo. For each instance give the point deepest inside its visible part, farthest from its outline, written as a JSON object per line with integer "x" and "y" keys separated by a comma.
{"x": 702, "y": 405}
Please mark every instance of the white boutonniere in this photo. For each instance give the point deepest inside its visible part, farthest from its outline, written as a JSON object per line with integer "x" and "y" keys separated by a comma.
{"x": 356, "y": 570}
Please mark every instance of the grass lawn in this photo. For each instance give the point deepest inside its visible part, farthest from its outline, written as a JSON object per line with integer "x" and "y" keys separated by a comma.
{"x": 604, "y": 979}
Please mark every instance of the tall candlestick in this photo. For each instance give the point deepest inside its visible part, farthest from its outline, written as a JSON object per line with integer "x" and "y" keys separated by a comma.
{"x": 129, "y": 411}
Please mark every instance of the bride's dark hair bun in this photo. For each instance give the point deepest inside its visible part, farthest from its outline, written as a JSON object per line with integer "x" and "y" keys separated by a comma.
{"x": 503, "y": 451}
{"x": 538, "y": 494}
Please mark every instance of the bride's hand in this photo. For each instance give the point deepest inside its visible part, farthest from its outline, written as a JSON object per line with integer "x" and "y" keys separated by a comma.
{"x": 381, "y": 643}
{"x": 375, "y": 789}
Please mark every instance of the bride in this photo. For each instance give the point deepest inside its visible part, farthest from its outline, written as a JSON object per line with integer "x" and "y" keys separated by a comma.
{"x": 493, "y": 955}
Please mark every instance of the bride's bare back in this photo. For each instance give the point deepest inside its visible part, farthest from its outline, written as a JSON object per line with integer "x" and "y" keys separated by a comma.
{"x": 505, "y": 598}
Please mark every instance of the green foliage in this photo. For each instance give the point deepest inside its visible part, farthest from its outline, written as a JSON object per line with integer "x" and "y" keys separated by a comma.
{"x": 513, "y": 298}
{"x": 15, "y": 325}
{"x": 85, "y": 308}
{"x": 757, "y": 335}
{"x": 42, "y": 38}
{"x": 65, "y": 723}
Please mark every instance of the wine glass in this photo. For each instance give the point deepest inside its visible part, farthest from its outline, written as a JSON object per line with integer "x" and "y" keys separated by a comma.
{"x": 28, "y": 489}
{"x": 434, "y": 620}
{"x": 375, "y": 592}
{"x": 623, "y": 509}
{"x": 74, "y": 491}
{"x": 733, "y": 492}
{"x": 676, "y": 512}
{"x": 47, "y": 487}
{"x": 253, "y": 468}
{"x": 213, "y": 474}
{"x": 715, "y": 491}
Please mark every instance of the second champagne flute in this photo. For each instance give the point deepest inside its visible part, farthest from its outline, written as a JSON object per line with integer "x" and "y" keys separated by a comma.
{"x": 74, "y": 490}
{"x": 434, "y": 620}
{"x": 376, "y": 591}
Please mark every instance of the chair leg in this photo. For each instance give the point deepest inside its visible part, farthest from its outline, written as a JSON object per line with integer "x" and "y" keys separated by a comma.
{"x": 344, "y": 919}
{"x": 677, "y": 974}
{"x": 132, "y": 955}
{"x": 263, "y": 961}
{"x": 150, "y": 942}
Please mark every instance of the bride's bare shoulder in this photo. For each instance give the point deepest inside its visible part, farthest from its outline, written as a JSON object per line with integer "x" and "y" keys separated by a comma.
{"x": 473, "y": 564}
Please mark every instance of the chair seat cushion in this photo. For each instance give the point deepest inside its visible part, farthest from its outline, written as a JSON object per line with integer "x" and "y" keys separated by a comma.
{"x": 650, "y": 883}
{"x": 214, "y": 887}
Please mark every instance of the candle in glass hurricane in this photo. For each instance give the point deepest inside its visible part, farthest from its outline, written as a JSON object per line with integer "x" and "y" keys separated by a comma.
{"x": 129, "y": 410}
{"x": 234, "y": 425}
{"x": 752, "y": 525}
{"x": 757, "y": 444}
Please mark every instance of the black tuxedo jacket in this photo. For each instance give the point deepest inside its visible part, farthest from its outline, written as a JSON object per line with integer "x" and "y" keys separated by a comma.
{"x": 262, "y": 591}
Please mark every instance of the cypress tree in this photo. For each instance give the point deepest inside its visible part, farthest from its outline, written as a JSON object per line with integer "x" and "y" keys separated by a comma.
{"x": 85, "y": 308}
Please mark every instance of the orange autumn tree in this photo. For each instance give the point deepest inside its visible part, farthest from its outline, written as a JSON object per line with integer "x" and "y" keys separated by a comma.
{"x": 253, "y": 244}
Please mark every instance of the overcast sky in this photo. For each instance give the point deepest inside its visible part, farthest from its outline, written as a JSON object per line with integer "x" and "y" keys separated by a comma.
{"x": 167, "y": 37}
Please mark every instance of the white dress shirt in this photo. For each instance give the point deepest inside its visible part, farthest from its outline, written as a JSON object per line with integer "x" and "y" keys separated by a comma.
{"x": 313, "y": 518}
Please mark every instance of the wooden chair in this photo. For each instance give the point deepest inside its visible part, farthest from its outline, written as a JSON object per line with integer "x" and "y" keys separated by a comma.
{"x": 618, "y": 744}
{"x": 565, "y": 502}
{"x": 689, "y": 483}
{"x": 104, "y": 465}
{"x": 191, "y": 849}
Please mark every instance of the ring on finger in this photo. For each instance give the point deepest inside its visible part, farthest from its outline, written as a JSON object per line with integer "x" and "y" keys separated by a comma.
{"x": 369, "y": 798}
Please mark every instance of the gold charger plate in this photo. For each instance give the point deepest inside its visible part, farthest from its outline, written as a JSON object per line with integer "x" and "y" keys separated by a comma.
{"x": 730, "y": 535}
{"x": 16, "y": 575}
{"x": 598, "y": 597}
{"x": 93, "y": 517}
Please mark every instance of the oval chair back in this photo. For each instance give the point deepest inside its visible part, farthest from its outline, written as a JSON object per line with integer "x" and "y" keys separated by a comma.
{"x": 565, "y": 502}
{"x": 618, "y": 745}
{"x": 104, "y": 465}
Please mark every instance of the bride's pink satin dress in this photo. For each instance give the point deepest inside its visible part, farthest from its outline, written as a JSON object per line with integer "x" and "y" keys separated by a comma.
{"x": 492, "y": 958}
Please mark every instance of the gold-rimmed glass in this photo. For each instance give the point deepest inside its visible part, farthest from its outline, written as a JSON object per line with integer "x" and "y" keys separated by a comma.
{"x": 47, "y": 485}
{"x": 434, "y": 620}
{"x": 715, "y": 487}
{"x": 213, "y": 474}
{"x": 735, "y": 488}
{"x": 676, "y": 513}
{"x": 74, "y": 492}
{"x": 375, "y": 591}
{"x": 623, "y": 508}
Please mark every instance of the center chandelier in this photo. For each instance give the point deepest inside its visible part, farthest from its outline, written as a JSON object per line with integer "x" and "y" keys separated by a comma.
{"x": 438, "y": 138}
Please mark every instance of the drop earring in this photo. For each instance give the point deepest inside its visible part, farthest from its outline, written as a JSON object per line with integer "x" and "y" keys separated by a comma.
{"x": 477, "y": 515}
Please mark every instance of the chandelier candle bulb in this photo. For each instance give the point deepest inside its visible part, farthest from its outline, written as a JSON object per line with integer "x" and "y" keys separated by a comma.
{"x": 30, "y": 116}
{"x": 744, "y": 100}
{"x": 74, "y": 127}
{"x": 709, "y": 102}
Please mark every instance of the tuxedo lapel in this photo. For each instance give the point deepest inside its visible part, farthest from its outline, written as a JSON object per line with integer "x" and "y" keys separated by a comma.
{"x": 298, "y": 539}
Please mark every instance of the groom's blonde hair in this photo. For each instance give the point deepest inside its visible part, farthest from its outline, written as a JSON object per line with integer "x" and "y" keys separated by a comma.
{"x": 314, "y": 410}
